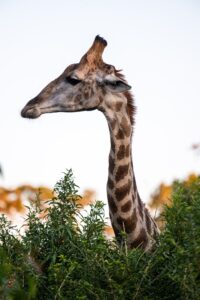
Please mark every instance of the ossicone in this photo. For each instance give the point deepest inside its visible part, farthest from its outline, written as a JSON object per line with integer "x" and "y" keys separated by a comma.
{"x": 94, "y": 54}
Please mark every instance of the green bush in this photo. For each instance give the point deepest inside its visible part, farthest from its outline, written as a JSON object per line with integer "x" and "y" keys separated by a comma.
{"x": 67, "y": 256}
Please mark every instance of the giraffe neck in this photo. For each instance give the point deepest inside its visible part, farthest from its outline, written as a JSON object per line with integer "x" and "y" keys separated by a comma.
{"x": 127, "y": 212}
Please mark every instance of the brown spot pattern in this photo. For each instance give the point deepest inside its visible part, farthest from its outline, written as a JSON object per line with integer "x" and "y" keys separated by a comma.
{"x": 113, "y": 124}
{"x": 111, "y": 164}
{"x": 112, "y": 205}
{"x": 110, "y": 183}
{"x": 128, "y": 224}
{"x": 121, "y": 192}
{"x": 126, "y": 127}
{"x": 127, "y": 150}
{"x": 126, "y": 207}
{"x": 120, "y": 134}
{"x": 118, "y": 106}
{"x": 121, "y": 152}
{"x": 141, "y": 240}
{"x": 122, "y": 171}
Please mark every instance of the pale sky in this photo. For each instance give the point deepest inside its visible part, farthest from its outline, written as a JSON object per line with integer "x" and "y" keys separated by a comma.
{"x": 156, "y": 43}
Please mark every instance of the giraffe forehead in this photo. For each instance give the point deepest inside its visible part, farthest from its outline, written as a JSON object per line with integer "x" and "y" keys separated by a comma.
{"x": 89, "y": 75}
{"x": 89, "y": 70}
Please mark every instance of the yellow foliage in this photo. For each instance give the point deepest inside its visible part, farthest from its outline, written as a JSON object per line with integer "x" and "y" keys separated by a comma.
{"x": 162, "y": 196}
{"x": 14, "y": 199}
{"x": 88, "y": 198}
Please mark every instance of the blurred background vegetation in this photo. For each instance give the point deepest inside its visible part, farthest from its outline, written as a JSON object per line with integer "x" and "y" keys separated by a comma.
{"x": 14, "y": 202}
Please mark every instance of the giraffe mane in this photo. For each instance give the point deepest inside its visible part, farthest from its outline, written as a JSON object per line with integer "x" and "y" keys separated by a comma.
{"x": 131, "y": 109}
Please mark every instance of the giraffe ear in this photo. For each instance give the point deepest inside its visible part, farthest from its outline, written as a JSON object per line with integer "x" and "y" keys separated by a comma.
{"x": 116, "y": 85}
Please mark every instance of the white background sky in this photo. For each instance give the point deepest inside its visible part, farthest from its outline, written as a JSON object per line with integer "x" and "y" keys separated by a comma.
{"x": 156, "y": 43}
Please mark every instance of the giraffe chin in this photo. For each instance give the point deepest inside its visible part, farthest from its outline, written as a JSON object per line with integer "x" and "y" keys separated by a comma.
{"x": 30, "y": 112}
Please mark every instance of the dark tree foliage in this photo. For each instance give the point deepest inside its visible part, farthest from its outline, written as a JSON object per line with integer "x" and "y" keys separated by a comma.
{"x": 67, "y": 256}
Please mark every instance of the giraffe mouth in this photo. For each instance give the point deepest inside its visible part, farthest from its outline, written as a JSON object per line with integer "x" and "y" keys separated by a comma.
{"x": 30, "y": 112}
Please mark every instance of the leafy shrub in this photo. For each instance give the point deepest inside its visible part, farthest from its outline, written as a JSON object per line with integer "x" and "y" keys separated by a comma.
{"x": 67, "y": 256}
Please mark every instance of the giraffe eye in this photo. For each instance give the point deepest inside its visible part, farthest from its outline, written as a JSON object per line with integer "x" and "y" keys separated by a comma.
{"x": 72, "y": 80}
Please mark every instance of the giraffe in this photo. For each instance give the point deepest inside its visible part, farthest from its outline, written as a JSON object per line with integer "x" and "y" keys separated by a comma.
{"x": 93, "y": 84}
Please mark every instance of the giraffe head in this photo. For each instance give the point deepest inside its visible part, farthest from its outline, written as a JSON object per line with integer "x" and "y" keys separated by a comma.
{"x": 80, "y": 87}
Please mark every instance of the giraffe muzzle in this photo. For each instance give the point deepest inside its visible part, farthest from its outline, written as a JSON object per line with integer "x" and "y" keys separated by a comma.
{"x": 30, "y": 112}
